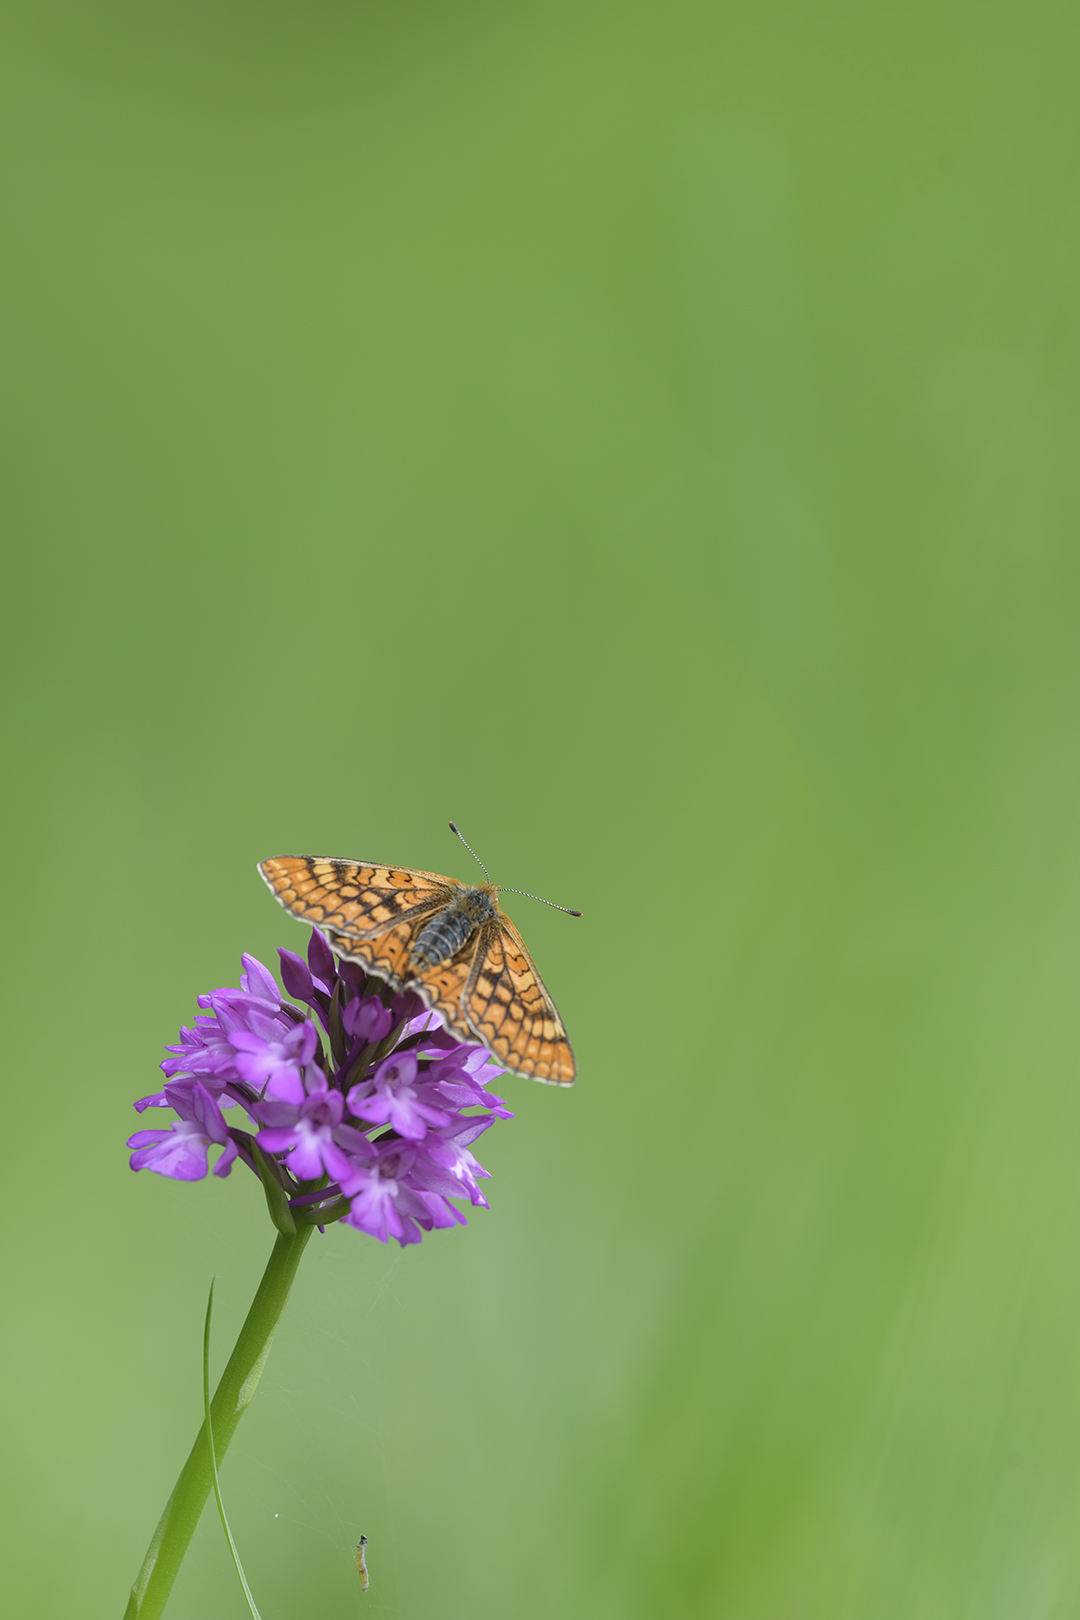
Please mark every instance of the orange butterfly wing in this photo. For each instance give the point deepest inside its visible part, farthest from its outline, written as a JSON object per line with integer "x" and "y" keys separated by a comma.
{"x": 442, "y": 988}
{"x": 509, "y": 1009}
{"x": 354, "y": 897}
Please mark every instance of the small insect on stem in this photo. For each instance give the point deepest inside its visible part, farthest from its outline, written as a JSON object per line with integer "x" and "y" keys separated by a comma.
{"x": 361, "y": 1563}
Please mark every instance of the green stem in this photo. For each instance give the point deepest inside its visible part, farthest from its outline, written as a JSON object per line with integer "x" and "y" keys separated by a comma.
{"x": 184, "y": 1508}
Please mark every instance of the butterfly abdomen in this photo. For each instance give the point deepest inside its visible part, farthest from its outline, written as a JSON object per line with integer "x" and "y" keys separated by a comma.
{"x": 451, "y": 928}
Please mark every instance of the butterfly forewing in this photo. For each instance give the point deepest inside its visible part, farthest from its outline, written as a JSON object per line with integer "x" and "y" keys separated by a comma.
{"x": 508, "y": 1006}
{"x": 353, "y": 897}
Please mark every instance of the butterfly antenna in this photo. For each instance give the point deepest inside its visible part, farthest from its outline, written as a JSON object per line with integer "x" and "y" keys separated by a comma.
{"x": 457, "y": 834}
{"x": 472, "y": 852}
{"x": 542, "y": 901}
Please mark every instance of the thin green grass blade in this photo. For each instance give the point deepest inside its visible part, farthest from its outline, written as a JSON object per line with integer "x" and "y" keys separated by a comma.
{"x": 213, "y": 1457}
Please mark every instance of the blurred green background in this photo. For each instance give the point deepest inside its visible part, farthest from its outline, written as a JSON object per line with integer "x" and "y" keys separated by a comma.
{"x": 647, "y": 434}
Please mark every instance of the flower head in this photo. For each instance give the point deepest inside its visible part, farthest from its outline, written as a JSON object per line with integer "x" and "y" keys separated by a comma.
{"x": 363, "y": 1107}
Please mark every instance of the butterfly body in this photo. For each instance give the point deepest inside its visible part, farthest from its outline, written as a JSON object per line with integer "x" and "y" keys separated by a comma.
{"x": 453, "y": 927}
{"x": 448, "y": 941}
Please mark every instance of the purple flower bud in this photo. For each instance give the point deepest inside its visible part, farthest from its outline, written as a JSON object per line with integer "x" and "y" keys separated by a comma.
{"x": 321, "y": 960}
{"x": 296, "y": 977}
{"x": 367, "y": 1019}
{"x": 352, "y": 974}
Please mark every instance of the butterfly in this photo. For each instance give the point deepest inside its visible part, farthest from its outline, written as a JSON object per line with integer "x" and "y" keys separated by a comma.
{"x": 446, "y": 940}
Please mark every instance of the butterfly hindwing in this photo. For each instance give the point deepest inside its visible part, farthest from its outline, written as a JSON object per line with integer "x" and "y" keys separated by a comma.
{"x": 509, "y": 1008}
{"x": 441, "y": 988}
{"x": 387, "y": 955}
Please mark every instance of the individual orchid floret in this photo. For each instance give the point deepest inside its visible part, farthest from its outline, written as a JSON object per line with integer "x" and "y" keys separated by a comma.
{"x": 313, "y": 1138}
{"x": 205, "y": 1051}
{"x": 458, "y": 1081}
{"x": 425, "y": 1176}
{"x": 267, "y": 1057}
{"x": 399, "y": 1192}
{"x": 394, "y": 1097}
{"x": 449, "y": 1148}
{"x": 181, "y": 1151}
{"x": 375, "y": 1192}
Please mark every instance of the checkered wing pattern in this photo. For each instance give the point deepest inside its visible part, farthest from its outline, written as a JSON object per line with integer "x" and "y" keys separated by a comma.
{"x": 352, "y": 897}
{"x": 508, "y": 1006}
